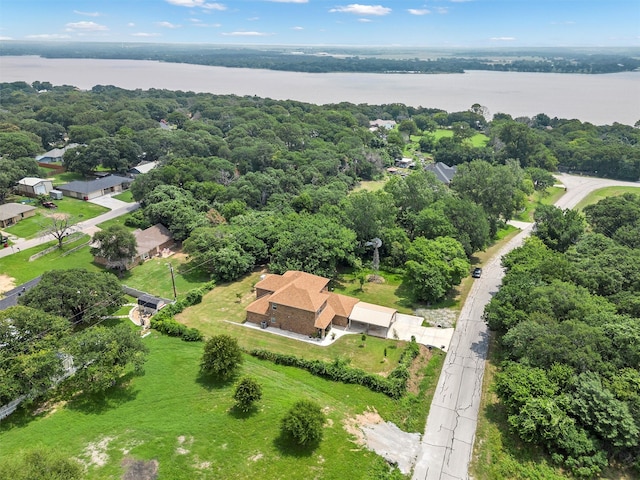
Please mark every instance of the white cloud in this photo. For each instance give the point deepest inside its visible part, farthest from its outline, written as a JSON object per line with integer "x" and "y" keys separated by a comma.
{"x": 502, "y": 39}
{"x": 144, "y": 34}
{"x": 198, "y": 3}
{"x": 168, "y": 25}
{"x": 358, "y": 9}
{"x": 253, "y": 19}
{"x": 131, "y": 24}
{"x": 364, "y": 20}
{"x": 5, "y": 38}
{"x": 419, "y": 11}
{"x": 297, "y": 28}
{"x": 246, "y": 34}
{"x": 442, "y": 10}
{"x": 48, "y": 36}
{"x": 85, "y": 27}
{"x": 88, "y": 14}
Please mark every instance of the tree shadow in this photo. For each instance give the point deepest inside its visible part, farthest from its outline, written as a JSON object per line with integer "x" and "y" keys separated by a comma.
{"x": 209, "y": 382}
{"x": 100, "y": 402}
{"x": 290, "y": 448}
{"x": 240, "y": 414}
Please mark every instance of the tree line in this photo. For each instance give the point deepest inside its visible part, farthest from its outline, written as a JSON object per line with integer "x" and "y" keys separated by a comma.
{"x": 567, "y": 318}
{"x": 311, "y": 60}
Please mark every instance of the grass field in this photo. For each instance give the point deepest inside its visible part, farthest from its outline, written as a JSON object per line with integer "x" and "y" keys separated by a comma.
{"x": 595, "y": 197}
{"x": 117, "y": 221}
{"x": 125, "y": 196}
{"x": 548, "y": 197}
{"x": 22, "y": 270}
{"x": 189, "y": 427}
{"x": 33, "y": 226}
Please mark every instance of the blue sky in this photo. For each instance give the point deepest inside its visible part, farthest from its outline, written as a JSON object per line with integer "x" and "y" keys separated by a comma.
{"x": 426, "y": 23}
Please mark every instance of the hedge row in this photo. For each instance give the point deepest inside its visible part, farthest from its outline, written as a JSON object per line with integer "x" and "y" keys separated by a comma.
{"x": 164, "y": 322}
{"x": 394, "y": 386}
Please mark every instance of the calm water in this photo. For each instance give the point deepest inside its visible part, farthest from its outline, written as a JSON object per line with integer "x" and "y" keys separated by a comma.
{"x": 599, "y": 99}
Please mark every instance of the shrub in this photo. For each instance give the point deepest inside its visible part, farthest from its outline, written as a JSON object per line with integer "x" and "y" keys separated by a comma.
{"x": 248, "y": 391}
{"x": 221, "y": 358}
{"x": 304, "y": 422}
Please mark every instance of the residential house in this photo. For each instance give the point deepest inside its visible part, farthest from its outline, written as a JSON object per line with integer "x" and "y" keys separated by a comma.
{"x": 300, "y": 302}
{"x": 32, "y": 186}
{"x": 150, "y": 242}
{"x": 405, "y": 163}
{"x": 55, "y": 156}
{"x": 11, "y": 213}
{"x": 142, "y": 168}
{"x": 386, "y": 124}
{"x": 443, "y": 172}
{"x": 87, "y": 190}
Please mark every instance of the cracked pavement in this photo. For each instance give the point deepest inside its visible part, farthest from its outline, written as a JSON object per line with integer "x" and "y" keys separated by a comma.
{"x": 447, "y": 444}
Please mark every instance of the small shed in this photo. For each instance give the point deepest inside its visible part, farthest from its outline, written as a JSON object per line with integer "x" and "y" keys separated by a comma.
{"x": 33, "y": 186}
{"x": 55, "y": 194}
{"x": 149, "y": 304}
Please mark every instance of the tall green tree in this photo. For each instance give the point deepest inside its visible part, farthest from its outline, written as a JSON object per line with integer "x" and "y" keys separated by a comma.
{"x": 76, "y": 294}
{"x": 222, "y": 357}
{"x": 116, "y": 244}
{"x": 557, "y": 228}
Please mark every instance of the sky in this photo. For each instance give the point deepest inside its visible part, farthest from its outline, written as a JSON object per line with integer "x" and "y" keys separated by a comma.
{"x": 418, "y": 23}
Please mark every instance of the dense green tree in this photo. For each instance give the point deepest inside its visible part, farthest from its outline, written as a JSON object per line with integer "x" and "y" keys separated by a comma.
{"x": 42, "y": 464}
{"x": 248, "y": 391}
{"x": 222, "y": 357}
{"x": 116, "y": 244}
{"x": 76, "y": 294}
{"x": 368, "y": 213}
{"x": 104, "y": 354}
{"x": 314, "y": 244}
{"x": 434, "y": 267}
{"x": 29, "y": 360}
{"x": 304, "y": 423}
{"x": 19, "y": 144}
{"x": 558, "y": 229}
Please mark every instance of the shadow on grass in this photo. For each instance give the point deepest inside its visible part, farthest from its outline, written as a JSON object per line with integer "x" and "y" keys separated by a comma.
{"x": 213, "y": 383}
{"x": 288, "y": 447}
{"x": 240, "y": 414}
{"x": 97, "y": 403}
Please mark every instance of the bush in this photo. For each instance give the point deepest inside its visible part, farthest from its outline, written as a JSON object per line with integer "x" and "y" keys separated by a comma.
{"x": 221, "y": 358}
{"x": 248, "y": 391}
{"x": 304, "y": 423}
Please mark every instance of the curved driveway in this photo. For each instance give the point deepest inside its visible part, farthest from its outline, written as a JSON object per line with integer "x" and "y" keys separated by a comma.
{"x": 447, "y": 444}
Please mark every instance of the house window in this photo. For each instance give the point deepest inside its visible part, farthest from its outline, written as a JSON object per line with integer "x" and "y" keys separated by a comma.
{"x": 274, "y": 306}
{"x": 273, "y": 319}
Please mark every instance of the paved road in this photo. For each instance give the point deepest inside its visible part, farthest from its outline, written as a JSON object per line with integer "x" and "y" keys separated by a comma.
{"x": 447, "y": 444}
{"x": 88, "y": 227}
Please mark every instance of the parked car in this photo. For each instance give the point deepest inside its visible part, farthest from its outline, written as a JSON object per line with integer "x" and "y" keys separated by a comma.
{"x": 49, "y": 205}
{"x": 477, "y": 272}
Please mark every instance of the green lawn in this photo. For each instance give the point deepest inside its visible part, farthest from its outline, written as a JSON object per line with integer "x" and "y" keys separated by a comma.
{"x": 549, "y": 197}
{"x": 596, "y": 196}
{"x": 22, "y": 270}
{"x": 78, "y": 209}
{"x": 189, "y": 427}
{"x": 65, "y": 177}
{"x": 117, "y": 221}
{"x": 125, "y": 196}
{"x": 154, "y": 276}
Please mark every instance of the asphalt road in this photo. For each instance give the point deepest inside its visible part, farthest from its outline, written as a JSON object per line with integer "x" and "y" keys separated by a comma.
{"x": 447, "y": 444}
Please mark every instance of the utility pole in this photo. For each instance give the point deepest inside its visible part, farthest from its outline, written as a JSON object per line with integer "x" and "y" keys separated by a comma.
{"x": 173, "y": 282}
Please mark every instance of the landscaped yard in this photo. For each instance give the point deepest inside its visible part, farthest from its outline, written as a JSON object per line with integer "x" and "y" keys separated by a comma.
{"x": 125, "y": 196}
{"x": 188, "y": 425}
{"x": 595, "y": 197}
{"x": 548, "y": 197}
{"x": 79, "y": 210}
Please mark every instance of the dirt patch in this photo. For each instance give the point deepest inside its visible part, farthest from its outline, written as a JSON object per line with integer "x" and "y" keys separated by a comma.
{"x": 6, "y": 283}
{"x": 49, "y": 408}
{"x": 441, "y": 317}
{"x": 256, "y": 457}
{"x": 385, "y": 438}
{"x": 183, "y": 441}
{"x": 139, "y": 469}
{"x": 415, "y": 375}
{"x": 96, "y": 452}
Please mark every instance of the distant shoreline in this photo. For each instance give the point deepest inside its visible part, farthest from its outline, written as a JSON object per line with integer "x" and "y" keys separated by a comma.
{"x": 598, "y": 99}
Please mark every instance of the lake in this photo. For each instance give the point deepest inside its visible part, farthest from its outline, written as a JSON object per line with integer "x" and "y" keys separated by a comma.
{"x": 599, "y": 99}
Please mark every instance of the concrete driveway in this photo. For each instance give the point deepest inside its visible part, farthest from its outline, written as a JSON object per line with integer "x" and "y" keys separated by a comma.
{"x": 109, "y": 202}
{"x": 407, "y": 326}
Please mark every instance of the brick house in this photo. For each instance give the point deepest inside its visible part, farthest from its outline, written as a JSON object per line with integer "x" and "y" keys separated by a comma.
{"x": 299, "y": 302}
